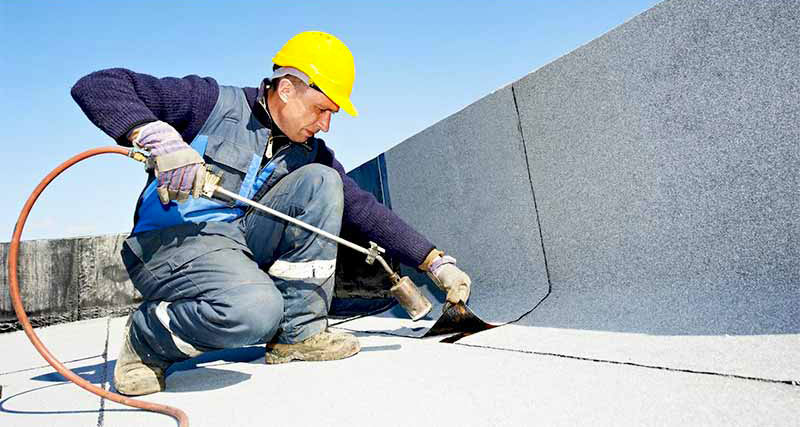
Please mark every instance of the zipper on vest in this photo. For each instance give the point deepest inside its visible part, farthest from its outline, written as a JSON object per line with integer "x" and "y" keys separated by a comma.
{"x": 272, "y": 157}
{"x": 268, "y": 153}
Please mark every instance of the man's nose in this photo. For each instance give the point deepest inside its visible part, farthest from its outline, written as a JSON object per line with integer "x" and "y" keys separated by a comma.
{"x": 325, "y": 121}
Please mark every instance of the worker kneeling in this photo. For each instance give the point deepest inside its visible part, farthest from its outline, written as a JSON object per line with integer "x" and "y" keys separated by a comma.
{"x": 214, "y": 274}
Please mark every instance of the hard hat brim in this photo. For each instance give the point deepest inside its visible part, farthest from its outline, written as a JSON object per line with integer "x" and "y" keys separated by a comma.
{"x": 342, "y": 101}
{"x": 348, "y": 107}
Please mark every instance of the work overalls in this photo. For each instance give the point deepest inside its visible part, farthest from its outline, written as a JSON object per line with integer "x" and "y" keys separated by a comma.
{"x": 216, "y": 275}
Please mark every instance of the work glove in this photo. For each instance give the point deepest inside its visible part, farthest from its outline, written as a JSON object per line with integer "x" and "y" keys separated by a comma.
{"x": 180, "y": 169}
{"x": 449, "y": 278}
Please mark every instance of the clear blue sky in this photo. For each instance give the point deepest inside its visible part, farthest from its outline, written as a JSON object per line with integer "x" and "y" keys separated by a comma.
{"x": 417, "y": 62}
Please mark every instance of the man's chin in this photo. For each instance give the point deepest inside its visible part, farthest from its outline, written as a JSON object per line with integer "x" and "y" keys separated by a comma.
{"x": 302, "y": 137}
{"x": 299, "y": 140}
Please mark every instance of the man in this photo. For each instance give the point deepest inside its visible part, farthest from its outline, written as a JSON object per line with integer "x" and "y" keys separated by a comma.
{"x": 214, "y": 274}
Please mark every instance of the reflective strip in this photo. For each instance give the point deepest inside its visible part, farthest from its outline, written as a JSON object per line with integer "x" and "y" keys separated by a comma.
{"x": 183, "y": 346}
{"x": 321, "y": 269}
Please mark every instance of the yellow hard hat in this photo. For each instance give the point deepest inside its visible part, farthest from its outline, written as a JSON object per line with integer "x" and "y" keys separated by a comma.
{"x": 327, "y": 62}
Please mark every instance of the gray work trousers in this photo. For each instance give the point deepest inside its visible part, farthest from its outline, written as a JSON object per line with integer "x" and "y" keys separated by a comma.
{"x": 220, "y": 285}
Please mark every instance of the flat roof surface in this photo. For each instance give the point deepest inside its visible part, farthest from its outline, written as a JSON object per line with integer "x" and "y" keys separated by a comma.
{"x": 493, "y": 378}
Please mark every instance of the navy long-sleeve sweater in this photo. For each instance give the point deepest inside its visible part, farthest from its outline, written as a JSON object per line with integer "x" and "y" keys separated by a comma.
{"x": 117, "y": 100}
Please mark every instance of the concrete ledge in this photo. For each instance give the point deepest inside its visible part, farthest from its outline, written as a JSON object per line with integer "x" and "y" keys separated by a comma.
{"x": 68, "y": 279}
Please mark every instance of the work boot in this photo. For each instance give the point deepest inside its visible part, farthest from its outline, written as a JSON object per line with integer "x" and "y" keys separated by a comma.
{"x": 132, "y": 376}
{"x": 326, "y": 345}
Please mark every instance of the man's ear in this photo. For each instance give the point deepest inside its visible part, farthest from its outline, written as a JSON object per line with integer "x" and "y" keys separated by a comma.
{"x": 285, "y": 90}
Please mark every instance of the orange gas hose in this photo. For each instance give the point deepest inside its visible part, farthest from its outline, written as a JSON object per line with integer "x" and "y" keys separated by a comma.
{"x": 13, "y": 252}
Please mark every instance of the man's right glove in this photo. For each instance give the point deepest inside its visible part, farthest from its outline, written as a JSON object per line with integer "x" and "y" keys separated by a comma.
{"x": 449, "y": 278}
{"x": 179, "y": 168}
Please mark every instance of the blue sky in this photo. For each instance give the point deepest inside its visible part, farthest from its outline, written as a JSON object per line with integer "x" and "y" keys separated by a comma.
{"x": 417, "y": 62}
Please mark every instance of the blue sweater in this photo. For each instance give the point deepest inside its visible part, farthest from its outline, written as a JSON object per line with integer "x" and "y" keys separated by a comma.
{"x": 118, "y": 100}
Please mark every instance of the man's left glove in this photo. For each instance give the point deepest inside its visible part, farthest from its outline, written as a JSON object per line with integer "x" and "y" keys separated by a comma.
{"x": 449, "y": 278}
